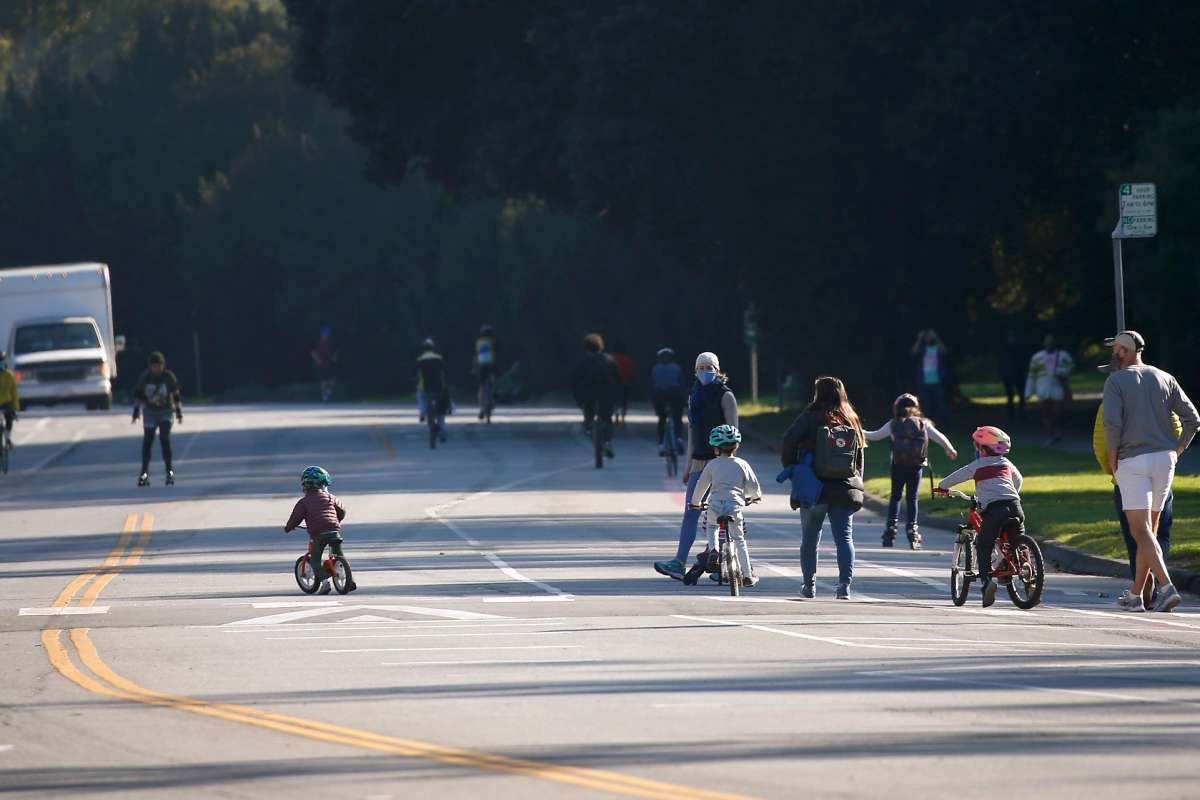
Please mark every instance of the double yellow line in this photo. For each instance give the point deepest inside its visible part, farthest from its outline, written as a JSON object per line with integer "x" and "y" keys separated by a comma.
{"x": 77, "y": 660}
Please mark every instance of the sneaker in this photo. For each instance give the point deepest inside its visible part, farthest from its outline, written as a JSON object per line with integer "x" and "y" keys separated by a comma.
{"x": 750, "y": 581}
{"x": 989, "y": 591}
{"x": 714, "y": 560}
{"x": 715, "y": 576}
{"x": 170, "y": 477}
{"x": 1131, "y": 602}
{"x": 351, "y": 586}
{"x": 421, "y": 418}
{"x": 326, "y": 587}
{"x": 1168, "y": 598}
{"x": 889, "y": 537}
{"x": 8, "y": 442}
{"x": 144, "y": 479}
{"x": 808, "y": 590}
{"x": 843, "y": 591}
{"x": 672, "y": 568}
{"x": 608, "y": 451}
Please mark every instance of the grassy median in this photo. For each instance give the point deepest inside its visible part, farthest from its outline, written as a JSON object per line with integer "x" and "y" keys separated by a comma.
{"x": 1066, "y": 497}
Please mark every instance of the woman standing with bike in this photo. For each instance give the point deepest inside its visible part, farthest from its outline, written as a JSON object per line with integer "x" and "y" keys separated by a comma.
{"x": 711, "y": 403}
{"x": 830, "y": 430}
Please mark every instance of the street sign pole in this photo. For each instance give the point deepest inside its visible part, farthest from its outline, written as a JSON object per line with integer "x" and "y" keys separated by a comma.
{"x": 1119, "y": 281}
{"x": 750, "y": 335}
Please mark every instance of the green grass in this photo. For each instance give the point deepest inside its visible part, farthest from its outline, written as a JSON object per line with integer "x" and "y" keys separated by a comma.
{"x": 1066, "y": 497}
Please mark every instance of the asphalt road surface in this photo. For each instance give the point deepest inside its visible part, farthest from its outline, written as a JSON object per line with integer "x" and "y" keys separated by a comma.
{"x": 509, "y": 638}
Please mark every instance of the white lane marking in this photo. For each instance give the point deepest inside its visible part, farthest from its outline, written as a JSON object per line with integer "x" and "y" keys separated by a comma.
{"x": 1094, "y": 664}
{"x": 440, "y": 649}
{"x": 689, "y": 705}
{"x": 445, "y": 613}
{"x": 487, "y": 661}
{"x": 788, "y": 572}
{"x": 433, "y": 514}
{"x": 798, "y": 635}
{"x": 1002, "y": 642}
{"x": 1151, "y": 618}
{"x": 531, "y": 598}
{"x": 904, "y": 573}
{"x": 30, "y": 431}
{"x": 1068, "y": 592}
{"x": 500, "y": 564}
{"x": 659, "y": 521}
{"x": 59, "y": 453}
{"x": 187, "y": 448}
{"x": 370, "y": 618}
{"x": 1131, "y": 698}
{"x": 744, "y": 599}
{"x": 413, "y": 635}
{"x": 4, "y": 748}
{"x": 62, "y": 611}
{"x": 402, "y": 625}
{"x": 295, "y": 604}
{"x": 288, "y": 616}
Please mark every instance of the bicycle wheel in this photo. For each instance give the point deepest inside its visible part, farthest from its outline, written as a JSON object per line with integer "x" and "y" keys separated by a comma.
{"x": 305, "y": 578}
{"x": 960, "y": 570}
{"x": 598, "y": 441}
{"x": 1026, "y": 586}
{"x": 733, "y": 569}
{"x": 669, "y": 448}
{"x": 3, "y": 457}
{"x": 342, "y": 577}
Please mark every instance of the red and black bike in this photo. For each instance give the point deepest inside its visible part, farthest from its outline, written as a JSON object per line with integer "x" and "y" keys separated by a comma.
{"x": 1016, "y": 559}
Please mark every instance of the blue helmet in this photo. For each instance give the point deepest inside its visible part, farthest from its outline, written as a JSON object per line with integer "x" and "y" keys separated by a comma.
{"x": 314, "y": 478}
{"x": 724, "y": 436}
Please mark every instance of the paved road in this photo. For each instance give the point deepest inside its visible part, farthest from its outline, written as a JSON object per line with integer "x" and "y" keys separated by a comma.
{"x": 510, "y": 640}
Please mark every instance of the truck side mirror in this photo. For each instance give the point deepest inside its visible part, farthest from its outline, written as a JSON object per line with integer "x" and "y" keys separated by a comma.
{"x": 119, "y": 341}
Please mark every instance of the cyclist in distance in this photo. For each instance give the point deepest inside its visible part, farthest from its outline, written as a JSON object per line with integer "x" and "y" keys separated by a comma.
{"x": 670, "y": 389}
{"x": 485, "y": 369}
{"x": 625, "y": 371}
{"x": 433, "y": 392}
{"x": 9, "y": 401}
{"x": 595, "y": 384}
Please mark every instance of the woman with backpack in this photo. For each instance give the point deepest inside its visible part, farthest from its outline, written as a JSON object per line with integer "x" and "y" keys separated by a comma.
{"x": 910, "y": 434}
{"x": 830, "y": 430}
{"x": 711, "y": 403}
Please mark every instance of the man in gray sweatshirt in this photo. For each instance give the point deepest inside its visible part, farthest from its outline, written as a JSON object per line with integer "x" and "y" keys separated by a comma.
{"x": 1143, "y": 450}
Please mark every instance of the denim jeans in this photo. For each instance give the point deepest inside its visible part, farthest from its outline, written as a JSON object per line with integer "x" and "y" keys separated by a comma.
{"x": 691, "y": 521}
{"x": 841, "y": 523}
{"x": 904, "y": 479}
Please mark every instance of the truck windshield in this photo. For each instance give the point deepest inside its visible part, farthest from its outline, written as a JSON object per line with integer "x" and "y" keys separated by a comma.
{"x": 55, "y": 336}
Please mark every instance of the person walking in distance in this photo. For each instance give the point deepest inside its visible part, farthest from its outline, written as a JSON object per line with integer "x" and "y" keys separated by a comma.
{"x": 156, "y": 399}
{"x": 1011, "y": 367}
{"x": 933, "y": 373}
{"x": 626, "y": 368}
{"x": 1049, "y": 372}
{"x": 1143, "y": 449}
{"x": 710, "y": 404}
{"x": 325, "y": 356}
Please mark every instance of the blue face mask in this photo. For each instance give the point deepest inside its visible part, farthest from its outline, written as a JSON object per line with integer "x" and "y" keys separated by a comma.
{"x": 706, "y": 378}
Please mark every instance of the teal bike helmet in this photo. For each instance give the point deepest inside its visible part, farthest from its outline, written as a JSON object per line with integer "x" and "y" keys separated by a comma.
{"x": 724, "y": 435}
{"x": 314, "y": 478}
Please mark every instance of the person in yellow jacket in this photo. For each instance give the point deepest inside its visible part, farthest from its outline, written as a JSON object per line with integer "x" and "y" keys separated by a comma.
{"x": 10, "y": 403}
{"x": 1100, "y": 449}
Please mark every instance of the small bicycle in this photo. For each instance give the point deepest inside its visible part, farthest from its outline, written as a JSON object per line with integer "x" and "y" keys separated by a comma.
{"x": 336, "y": 566}
{"x": 1016, "y": 559}
{"x": 729, "y": 570}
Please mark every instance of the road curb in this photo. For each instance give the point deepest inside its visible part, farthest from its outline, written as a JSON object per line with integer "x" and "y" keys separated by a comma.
{"x": 1064, "y": 557}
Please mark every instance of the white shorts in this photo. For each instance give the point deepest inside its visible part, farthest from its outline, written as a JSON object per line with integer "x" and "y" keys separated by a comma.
{"x": 1145, "y": 480}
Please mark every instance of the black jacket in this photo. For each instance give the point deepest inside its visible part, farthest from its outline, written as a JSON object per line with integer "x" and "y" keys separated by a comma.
{"x": 800, "y": 438}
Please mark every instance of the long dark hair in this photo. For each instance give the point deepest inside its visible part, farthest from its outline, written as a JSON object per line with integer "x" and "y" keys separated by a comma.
{"x": 830, "y": 401}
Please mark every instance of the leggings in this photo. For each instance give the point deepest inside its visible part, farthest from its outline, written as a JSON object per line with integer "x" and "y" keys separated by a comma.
{"x": 164, "y": 431}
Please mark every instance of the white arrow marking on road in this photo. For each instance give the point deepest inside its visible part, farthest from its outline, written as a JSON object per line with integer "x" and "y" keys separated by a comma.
{"x": 370, "y": 618}
{"x": 4, "y": 748}
{"x": 59, "y": 611}
{"x": 531, "y": 598}
{"x": 289, "y": 616}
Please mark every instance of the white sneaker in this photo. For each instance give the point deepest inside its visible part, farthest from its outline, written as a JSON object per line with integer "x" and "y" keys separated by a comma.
{"x": 1128, "y": 601}
{"x": 1168, "y": 598}
{"x": 326, "y": 588}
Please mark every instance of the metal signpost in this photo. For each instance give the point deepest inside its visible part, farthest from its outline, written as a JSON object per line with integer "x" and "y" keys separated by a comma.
{"x": 751, "y": 338}
{"x": 1137, "y": 219}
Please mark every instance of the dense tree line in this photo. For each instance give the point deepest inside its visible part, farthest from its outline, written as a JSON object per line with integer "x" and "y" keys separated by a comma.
{"x": 647, "y": 169}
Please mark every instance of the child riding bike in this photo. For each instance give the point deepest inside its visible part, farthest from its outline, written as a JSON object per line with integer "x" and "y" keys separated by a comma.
{"x": 731, "y": 485}
{"x": 322, "y": 514}
{"x": 997, "y": 486}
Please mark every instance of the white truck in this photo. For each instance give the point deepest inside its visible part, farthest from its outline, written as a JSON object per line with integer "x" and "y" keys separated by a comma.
{"x": 56, "y": 324}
